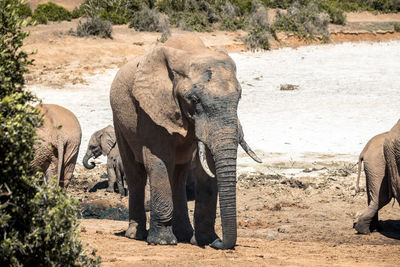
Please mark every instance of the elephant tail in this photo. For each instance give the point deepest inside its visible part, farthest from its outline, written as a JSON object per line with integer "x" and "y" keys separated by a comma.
{"x": 60, "y": 149}
{"x": 360, "y": 160}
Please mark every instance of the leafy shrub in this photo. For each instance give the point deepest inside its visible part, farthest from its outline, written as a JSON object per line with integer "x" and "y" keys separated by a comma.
{"x": 257, "y": 39}
{"x": 24, "y": 11}
{"x": 335, "y": 12}
{"x": 396, "y": 26}
{"x": 304, "y": 20}
{"x": 229, "y": 20}
{"x": 51, "y": 12}
{"x": 77, "y": 13}
{"x": 196, "y": 15}
{"x": 148, "y": 20}
{"x": 260, "y": 30}
{"x": 116, "y": 11}
{"x": 38, "y": 225}
{"x": 94, "y": 27}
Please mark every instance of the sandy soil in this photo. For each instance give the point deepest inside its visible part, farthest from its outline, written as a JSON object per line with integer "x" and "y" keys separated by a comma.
{"x": 288, "y": 216}
{"x": 291, "y": 212}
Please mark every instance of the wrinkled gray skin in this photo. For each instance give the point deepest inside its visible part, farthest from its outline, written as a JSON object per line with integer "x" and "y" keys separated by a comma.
{"x": 377, "y": 181}
{"x": 59, "y": 140}
{"x": 103, "y": 142}
{"x": 177, "y": 99}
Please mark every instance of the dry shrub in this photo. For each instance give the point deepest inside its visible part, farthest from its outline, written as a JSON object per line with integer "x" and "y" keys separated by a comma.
{"x": 94, "y": 27}
{"x": 305, "y": 20}
{"x": 150, "y": 20}
{"x": 259, "y": 29}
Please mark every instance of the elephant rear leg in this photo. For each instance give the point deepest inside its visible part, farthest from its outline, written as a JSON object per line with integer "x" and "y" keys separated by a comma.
{"x": 368, "y": 221}
{"x": 120, "y": 182}
{"x": 180, "y": 223}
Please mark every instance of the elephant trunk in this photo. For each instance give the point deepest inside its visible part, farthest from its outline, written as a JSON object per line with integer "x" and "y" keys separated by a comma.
{"x": 85, "y": 162}
{"x": 225, "y": 154}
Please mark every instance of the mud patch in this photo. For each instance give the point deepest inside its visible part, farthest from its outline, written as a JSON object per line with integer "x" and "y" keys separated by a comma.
{"x": 102, "y": 209}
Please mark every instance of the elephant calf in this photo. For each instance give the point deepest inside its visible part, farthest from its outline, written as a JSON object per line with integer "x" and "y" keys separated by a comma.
{"x": 103, "y": 142}
{"x": 59, "y": 140}
{"x": 378, "y": 179}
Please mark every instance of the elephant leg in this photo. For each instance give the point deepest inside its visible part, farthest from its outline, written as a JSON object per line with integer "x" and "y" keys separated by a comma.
{"x": 51, "y": 171}
{"x": 160, "y": 173}
{"x": 69, "y": 168}
{"x": 364, "y": 221}
{"x": 120, "y": 185}
{"x": 205, "y": 208}
{"x": 180, "y": 223}
{"x": 111, "y": 175}
{"x": 136, "y": 179}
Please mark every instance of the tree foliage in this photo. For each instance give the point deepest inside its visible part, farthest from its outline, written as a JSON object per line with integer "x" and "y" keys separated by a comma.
{"x": 38, "y": 225}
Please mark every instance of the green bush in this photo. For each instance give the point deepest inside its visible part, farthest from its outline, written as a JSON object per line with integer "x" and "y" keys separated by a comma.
{"x": 148, "y": 20}
{"x": 116, "y": 11}
{"x": 94, "y": 27}
{"x": 229, "y": 20}
{"x": 304, "y": 19}
{"x": 396, "y": 26}
{"x": 51, "y": 12}
{"x": 259, "y": 30}
{"x": 38, "y": 224}
{"x": 257, "y": 39}
{"x": 24, "y": 11}
{"x": 77, "y": 13}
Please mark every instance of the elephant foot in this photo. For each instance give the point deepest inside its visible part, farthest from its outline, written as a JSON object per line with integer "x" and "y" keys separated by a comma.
{"x": 203, "y": 239}
{"x": 184, "y": 235}
{"x": 362, "y": 228}
{"x": 375, "y": 226}
{"x": 161, "y": 235}
{"x": 110, "y": 189}
{"x": 136, "y": 232}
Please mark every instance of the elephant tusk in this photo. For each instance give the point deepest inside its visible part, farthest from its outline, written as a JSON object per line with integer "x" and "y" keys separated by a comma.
{"x": 249, "y": 152}
{"x": 203, "y": 159}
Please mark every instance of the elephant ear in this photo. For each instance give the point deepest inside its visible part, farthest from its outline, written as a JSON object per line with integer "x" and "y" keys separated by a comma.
{"x": 107, "y": 140}
{"x": 153, "y": 88}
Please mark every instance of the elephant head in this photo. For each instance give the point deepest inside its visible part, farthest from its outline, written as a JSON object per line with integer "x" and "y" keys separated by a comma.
{"x": 197, "y": 94}
{"x": 100, "y": 143}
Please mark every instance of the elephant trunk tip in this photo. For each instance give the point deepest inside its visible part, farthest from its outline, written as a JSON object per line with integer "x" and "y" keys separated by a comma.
{"x": 86, "y": 164}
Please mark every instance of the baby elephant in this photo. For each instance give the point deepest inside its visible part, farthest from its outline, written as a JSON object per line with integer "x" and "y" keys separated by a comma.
{"x": 59, "y": 139}
{"x": 377, "y": 181}
{"x": 103, "y": 142}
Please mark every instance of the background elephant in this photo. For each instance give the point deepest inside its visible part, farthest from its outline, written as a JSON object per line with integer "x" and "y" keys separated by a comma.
{"x": 378, "y": 191}
{"x": 59, "y": 139}
{"x": 179, "y": 98}
{"x": 103, "y": 142}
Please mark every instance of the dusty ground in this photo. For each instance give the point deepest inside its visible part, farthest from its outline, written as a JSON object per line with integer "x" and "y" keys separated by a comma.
{"x": 289, "y": 216}
{"x": 289, "y": 213}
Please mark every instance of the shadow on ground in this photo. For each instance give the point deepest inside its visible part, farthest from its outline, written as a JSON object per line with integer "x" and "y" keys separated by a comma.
{"x": 391, "y": 229}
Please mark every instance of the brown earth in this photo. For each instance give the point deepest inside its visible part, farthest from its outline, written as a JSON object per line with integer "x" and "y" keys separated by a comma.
{"x": 299, "y": 219}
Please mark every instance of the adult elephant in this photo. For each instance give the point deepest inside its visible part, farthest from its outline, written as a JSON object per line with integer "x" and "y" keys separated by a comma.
{"x": 178, "y": 98}
{"x": 59, "y": 138}
{"x": 103, "y": 142}
{"x": 377, "y": 182}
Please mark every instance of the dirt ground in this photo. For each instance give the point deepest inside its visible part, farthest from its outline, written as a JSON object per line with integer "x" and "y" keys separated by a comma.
{"x": 289, "y": 214}
{"x": 298, "y": 215}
